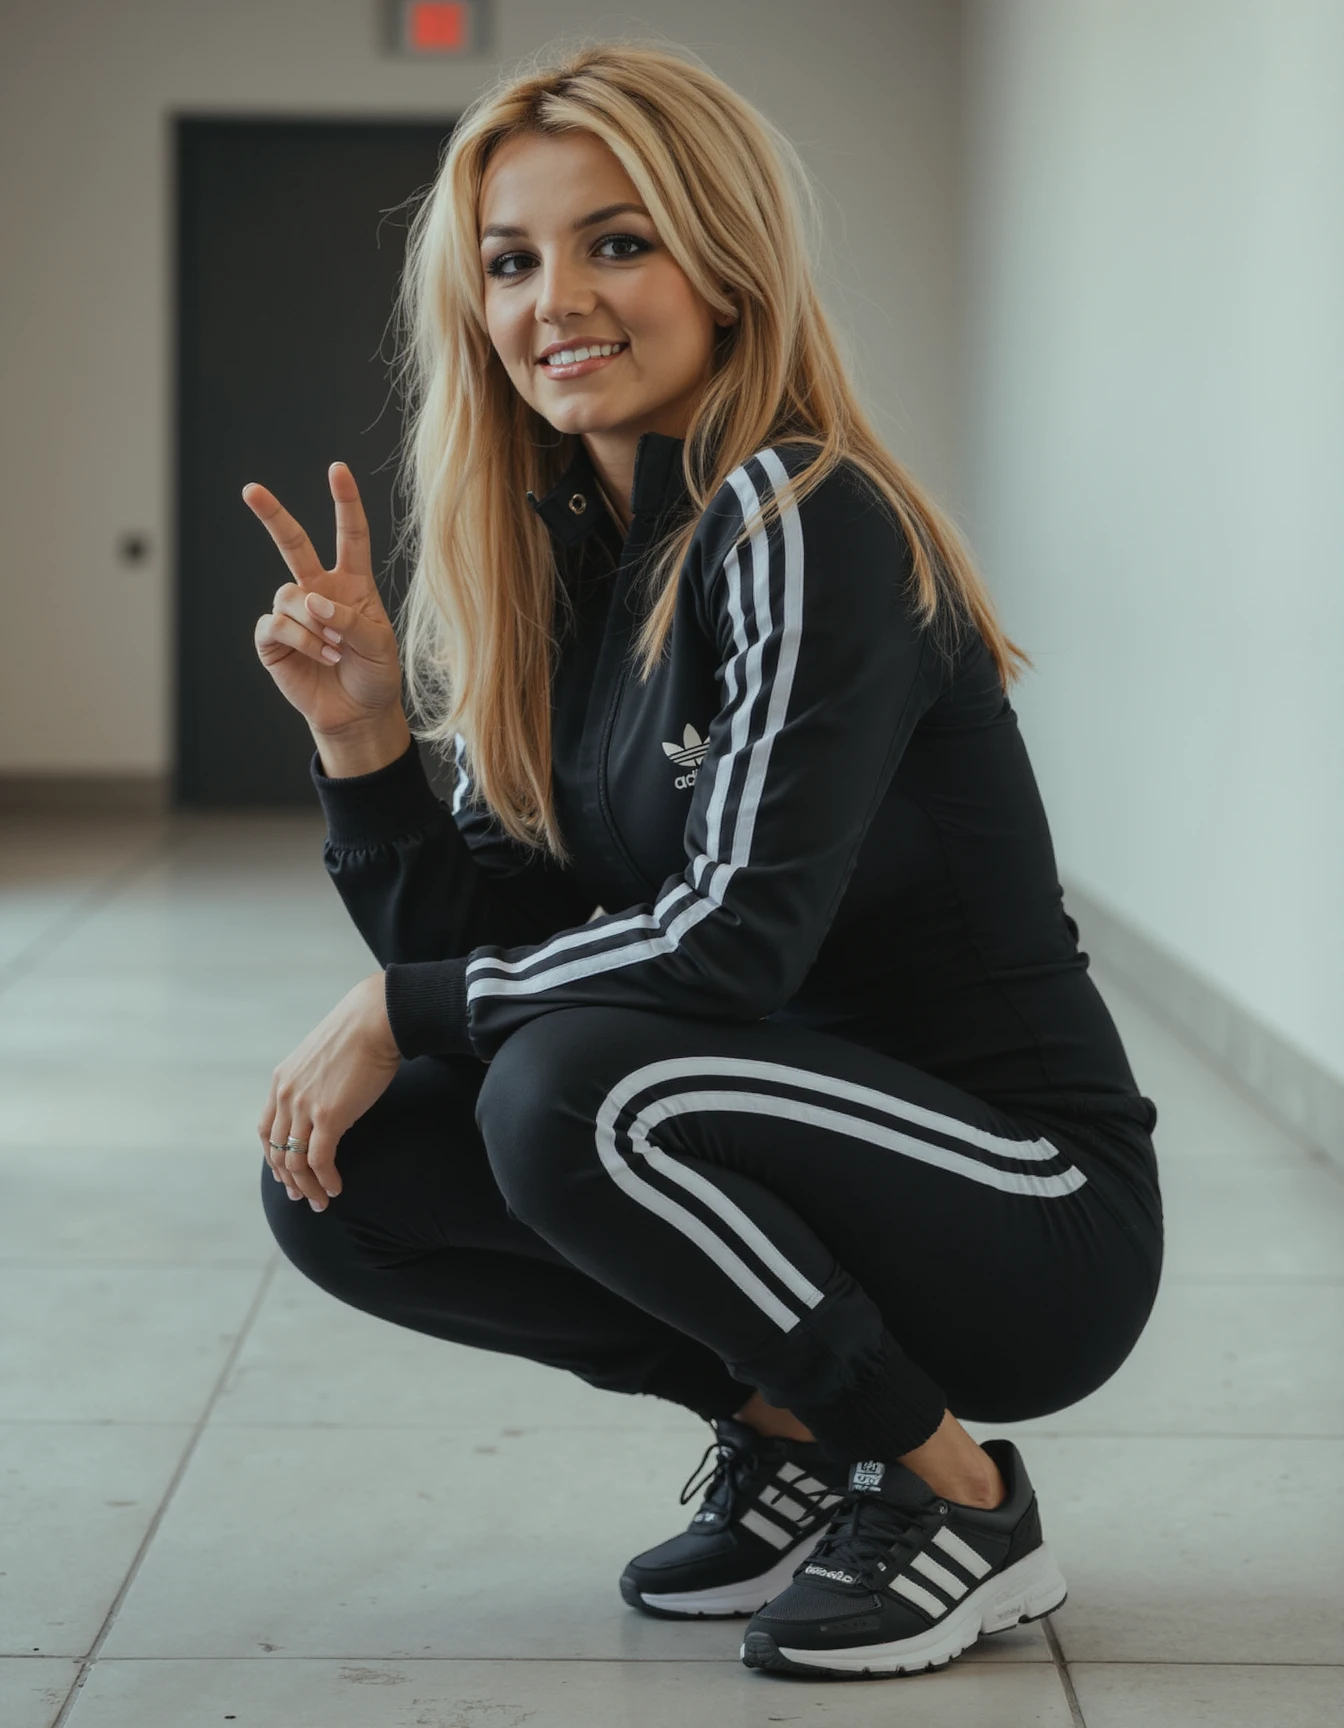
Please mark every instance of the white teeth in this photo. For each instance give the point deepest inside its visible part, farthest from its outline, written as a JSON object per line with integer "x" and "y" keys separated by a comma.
{"x": 570, "y": 356}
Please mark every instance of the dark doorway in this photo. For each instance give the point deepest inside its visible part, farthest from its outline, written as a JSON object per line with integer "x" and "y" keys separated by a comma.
{"x": 290, "y": 240}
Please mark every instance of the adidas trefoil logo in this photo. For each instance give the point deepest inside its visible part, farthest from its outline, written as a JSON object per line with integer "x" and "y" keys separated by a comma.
{"x": 690, "y": 753}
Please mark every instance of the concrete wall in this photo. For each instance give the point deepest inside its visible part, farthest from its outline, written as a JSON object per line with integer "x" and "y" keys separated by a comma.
{"x": 867, "y": 89}
{"x": 1155, "y": 420}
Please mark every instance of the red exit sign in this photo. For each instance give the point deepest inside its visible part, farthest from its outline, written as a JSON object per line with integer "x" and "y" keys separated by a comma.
{"x": 434, "y": 29}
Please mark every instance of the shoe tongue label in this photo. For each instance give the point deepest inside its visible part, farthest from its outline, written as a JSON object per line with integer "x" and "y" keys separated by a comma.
{"x": 867, "y": 1478}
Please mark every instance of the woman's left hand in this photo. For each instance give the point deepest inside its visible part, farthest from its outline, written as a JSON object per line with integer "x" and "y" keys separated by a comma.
{"x": 343, "y": 1066}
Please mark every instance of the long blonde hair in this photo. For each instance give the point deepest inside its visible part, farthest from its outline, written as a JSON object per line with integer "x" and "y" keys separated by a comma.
{"x": 728, "y": 196}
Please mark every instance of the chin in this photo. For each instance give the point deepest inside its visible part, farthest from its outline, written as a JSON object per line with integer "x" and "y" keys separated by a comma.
{"x": 587, "y": 417}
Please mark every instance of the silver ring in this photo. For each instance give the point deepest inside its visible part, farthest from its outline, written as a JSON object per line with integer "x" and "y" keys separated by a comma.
{"x": 274, "y": 1147}
{"x": 293, "y": 1145}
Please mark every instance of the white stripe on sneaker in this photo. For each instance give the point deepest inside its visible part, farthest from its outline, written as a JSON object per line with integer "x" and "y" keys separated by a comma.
{"x": 962, "y": 1553}
{"x": 781, "y": 1503}
{"x": 767, "y": 1531}
{"x": 940, "y": 1575}
{"x": 930, "y": 1603}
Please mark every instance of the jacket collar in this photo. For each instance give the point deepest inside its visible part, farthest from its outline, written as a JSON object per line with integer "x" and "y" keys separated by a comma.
{"x": 573, "y": 507}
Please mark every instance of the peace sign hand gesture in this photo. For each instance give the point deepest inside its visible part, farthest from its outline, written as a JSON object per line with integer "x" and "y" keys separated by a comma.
{"x": 327, "y": 640}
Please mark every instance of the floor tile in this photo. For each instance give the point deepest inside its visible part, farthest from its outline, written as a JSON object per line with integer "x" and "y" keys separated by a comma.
{"x": 31, "y": 919}
{"x": 366, "y": 1498}
{"x": 33, "y": 1688}
{"x": 384, "y": 1543}
{"x": 1185, "y": 1695}
{"x": 1221, "y": 1358}
{"x": 1195, "y": 1550}
{"x": 73, "y": 854}
{"x": 48, "y": 1103}
{"x": 390, "y": 1543}
{"x": 1241, "y": 1218}
{"x": 76, "y": 1499}
{"x": 575, "y": 1694}
{"x": 149, "y": 1018}
{"x": 116, "y": 1344}
{"x": 254, "y": 927}
{"x": 52, "y": 869}
{"x": 68, "y": 1205}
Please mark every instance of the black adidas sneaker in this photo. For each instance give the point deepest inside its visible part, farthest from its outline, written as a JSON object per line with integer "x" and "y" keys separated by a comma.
{"x": 903, "y": 1580}
{"x": 766, "y": 1504}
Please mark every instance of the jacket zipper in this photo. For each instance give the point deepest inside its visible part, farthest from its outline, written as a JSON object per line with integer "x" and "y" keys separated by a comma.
{"x": 627, "y": 570}
{"x": 604, "y": 802}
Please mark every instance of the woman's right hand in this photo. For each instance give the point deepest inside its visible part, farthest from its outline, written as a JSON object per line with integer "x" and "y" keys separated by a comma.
{"x": 327, "y": 640}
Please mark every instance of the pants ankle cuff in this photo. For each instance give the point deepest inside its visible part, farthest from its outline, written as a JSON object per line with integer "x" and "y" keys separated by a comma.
{"x": 890, "y": 1407}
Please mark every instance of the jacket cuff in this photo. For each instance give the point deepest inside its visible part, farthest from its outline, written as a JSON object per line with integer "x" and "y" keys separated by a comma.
{"x": 427, "y": 1007}
{"x": 372, "y": 809}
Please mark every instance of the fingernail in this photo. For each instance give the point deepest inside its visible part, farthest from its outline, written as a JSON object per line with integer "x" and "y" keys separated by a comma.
{"x": 321, "y": 605}
{"x": 330, "y": 655}
{"x": 317, "y": 1206}
{"x": 332, "y": 635}
{"x": 331, "y": 1191}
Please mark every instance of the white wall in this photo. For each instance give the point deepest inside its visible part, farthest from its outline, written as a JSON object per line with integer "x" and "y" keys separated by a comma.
{"x": 867, "y": 89}
{"x": 1155, "y": 416}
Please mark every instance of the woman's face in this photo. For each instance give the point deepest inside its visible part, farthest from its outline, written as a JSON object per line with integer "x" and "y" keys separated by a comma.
{"x": 563, "y": 278}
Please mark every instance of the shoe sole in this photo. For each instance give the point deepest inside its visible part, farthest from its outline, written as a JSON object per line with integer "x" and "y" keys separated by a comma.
{"x": 1028, "y": 1590}
{"x": 723, "y": 1601}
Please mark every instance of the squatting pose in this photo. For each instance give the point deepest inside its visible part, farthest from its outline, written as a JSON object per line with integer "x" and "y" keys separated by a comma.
{"x": 730, "y": 1041}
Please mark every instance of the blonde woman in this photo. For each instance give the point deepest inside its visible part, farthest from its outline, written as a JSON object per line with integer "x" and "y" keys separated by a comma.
{"x": 730, "y": 1042}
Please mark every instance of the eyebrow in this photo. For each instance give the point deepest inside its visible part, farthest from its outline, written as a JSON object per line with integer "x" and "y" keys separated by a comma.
{"x": 607, "y": 210}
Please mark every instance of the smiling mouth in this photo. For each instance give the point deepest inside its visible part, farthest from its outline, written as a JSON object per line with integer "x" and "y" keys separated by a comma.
{"x": 565, "y": 358}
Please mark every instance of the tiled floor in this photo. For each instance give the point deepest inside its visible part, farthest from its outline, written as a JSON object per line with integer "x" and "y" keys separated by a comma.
{"x": 226, "y": 1497}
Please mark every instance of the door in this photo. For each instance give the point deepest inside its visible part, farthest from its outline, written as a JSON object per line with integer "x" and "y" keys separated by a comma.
{"x": 290, "y": 243}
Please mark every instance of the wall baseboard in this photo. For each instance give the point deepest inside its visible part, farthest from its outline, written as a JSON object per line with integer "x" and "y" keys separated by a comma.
{"x": 1300, "y": 1094}
{"x": 83, "y": 794}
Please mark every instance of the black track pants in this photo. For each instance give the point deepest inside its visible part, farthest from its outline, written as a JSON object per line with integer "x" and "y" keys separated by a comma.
{"x": 668, "y": 1206}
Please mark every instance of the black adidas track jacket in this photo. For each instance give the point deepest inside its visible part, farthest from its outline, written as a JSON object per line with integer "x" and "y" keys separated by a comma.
{"x": 807, "y": 814}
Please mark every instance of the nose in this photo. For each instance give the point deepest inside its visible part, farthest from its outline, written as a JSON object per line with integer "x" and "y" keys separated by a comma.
{"x": 561, "y": 295}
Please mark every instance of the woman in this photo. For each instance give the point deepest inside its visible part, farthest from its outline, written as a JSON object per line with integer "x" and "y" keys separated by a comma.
{"x": 731, "y": 1043}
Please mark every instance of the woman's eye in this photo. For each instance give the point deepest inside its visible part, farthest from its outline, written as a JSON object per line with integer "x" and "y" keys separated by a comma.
{"x": 623, "y": 240}
{"x": 496, "y": 266}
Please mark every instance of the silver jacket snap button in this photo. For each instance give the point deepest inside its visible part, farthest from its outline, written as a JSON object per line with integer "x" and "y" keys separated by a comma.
{"x": 578, "y": 503}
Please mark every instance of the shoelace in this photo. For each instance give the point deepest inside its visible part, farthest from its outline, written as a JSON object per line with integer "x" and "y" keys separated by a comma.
{"x": 863, "y": 1533}
{"x": 727, "y": 1470}
{"x": 731, "y": 1471}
